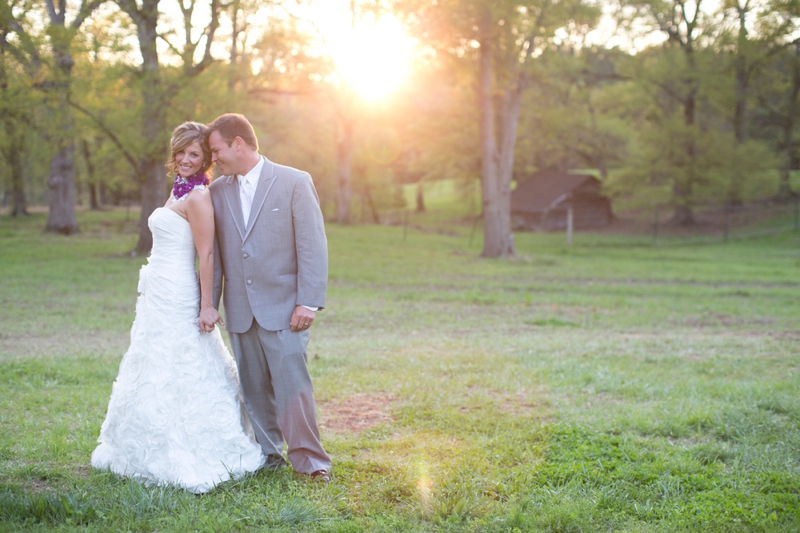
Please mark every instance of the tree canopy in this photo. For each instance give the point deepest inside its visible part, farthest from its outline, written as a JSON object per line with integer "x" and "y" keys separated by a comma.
{"x": 674, "y": 104}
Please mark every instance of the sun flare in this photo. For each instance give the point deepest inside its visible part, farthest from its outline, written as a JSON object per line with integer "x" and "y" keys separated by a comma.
{"x": 376, "y": 60}
{"x": 371, "y": 56}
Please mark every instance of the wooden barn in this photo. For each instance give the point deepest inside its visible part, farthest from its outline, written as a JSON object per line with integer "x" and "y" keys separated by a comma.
{"x": 542, "y": 201}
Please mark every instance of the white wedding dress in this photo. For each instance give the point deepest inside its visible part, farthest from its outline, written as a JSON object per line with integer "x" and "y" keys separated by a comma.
{"x": 175, "y": 414}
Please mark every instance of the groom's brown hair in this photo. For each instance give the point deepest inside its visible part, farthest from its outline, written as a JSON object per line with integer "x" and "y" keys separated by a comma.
{"x": 232, "y": 125}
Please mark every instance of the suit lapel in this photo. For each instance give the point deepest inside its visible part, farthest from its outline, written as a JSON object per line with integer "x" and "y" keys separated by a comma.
{"x": 234, "y": 204}
{"x": 265, "y": 183}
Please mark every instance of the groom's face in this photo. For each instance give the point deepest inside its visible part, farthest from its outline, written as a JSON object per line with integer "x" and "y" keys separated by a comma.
{"x": 225, "y": 157}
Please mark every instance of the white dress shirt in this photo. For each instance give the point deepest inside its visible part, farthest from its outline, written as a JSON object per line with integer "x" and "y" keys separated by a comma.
{"x": 247, "y": 188}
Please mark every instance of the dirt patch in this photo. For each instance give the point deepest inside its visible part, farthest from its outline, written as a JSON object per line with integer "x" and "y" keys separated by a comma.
{"x": 39, "y": 485}
{"x": 356, "y": 413}
{"x": 83, "y": 471}
{"x": 518, "y": 405}
{"x": 521, "y": 403}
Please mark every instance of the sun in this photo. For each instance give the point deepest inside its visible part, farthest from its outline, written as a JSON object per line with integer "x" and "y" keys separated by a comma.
{"x": 372, "y": 56}
{"x": 376, "y": 60}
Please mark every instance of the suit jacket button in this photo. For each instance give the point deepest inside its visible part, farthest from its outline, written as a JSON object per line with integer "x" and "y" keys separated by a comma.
{"x": 245, "y": 256}
{"x": 249, "y": 281}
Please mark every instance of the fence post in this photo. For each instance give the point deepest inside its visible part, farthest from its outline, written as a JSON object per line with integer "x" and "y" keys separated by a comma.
{"x": 569, "y": 226}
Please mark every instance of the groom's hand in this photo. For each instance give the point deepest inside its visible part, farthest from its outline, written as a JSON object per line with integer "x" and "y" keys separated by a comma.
{"x": 208, "y": 317}
{"x": 302, "y": 318}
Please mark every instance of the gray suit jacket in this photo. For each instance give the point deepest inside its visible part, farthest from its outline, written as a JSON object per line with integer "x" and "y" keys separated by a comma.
{"x": 279, "y": 259}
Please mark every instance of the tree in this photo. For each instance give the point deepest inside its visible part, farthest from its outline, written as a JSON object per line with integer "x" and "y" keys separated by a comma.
{"x": 346, "y": 102}
{"x": 789, "y": 122}
{"x": 157, "y": 93}
{"x": 761, "y": 29}
{"x": 503, "y": 38}
{"x": 572, "y": 116}
{"x": 683, "y": 24}
{"x": 16, "y": 114}
{"x": 57, "y": 84}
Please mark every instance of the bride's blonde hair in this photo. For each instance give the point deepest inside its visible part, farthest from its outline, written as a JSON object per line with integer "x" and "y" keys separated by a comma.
{"x": 185, "y": 135}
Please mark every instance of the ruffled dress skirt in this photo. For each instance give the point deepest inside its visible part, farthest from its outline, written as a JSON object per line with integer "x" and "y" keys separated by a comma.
{"x": 175, "y": 416}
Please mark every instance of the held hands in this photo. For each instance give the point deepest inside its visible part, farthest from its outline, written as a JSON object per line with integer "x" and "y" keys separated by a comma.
{"x": 207, "y": 318}
{"x": 302, "y": 318}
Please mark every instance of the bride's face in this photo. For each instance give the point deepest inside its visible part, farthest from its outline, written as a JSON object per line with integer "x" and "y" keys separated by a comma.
{"x": 189, "y": 160}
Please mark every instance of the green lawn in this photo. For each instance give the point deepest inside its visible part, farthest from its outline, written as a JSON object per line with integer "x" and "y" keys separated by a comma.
{"x": 607, "y": 386}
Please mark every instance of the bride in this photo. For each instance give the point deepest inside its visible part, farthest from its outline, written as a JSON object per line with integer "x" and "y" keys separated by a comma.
{"x": 175, "y": 415}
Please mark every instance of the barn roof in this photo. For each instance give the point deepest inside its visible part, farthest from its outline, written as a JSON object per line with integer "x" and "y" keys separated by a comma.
{"x": 544, "y": 190}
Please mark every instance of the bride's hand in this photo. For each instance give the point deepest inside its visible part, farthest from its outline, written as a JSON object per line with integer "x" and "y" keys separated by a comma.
{"x": 207, "y": 318}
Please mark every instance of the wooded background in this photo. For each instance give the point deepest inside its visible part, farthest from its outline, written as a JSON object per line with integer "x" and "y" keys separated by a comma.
{"x": 675, "y": 105}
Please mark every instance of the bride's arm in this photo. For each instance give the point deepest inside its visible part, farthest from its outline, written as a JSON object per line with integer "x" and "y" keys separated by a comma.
{"x": 200, "y": 213}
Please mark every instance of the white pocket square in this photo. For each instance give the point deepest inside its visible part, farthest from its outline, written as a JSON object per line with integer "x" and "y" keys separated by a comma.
{"x": 276, "y": 209}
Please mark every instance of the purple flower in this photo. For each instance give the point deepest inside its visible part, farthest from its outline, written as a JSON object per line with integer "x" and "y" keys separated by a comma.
{"x": 184, "y": 186}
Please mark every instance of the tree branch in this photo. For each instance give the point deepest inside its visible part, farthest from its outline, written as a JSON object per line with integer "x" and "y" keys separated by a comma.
{"x": 51, "y": 11}
{"x": 163, "y": 37}
{"x": 10, "y": 22}
{"x": 112, "y": 136}
{"x": 84, "y": 12}
{"x": 130, "y": 7}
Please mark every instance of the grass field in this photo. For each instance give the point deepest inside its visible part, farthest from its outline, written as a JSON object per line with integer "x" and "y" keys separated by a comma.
{"x": 607, "y": 386}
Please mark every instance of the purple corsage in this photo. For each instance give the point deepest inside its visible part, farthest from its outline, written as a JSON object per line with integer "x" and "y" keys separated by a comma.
{"x": 184, "y": 186}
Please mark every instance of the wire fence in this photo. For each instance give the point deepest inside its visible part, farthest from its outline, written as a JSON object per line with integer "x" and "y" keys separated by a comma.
{"x": 715, "y": 224}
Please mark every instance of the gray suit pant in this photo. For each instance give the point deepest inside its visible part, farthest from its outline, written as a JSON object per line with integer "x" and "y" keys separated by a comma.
{"x": 279, "y": 396}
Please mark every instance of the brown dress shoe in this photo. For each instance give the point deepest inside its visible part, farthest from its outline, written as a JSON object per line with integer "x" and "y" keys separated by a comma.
{"x": 321, "y": 475}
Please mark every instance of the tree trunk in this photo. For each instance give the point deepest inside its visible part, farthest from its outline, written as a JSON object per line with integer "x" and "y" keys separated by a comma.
{"x": 509, "y": 122}
{"x": 344, "y": 151}
{"x": 682, "y": 189}
{"x": 497, "y": 237}
{"x": 741, "y": 92}
{"x": 370, "y": 201}
{"x": 741, "y": 78}
{"x": 683, "y": 185}
{"x": 94, "y": 204}
{"x": 153, "y": 192}
{"x": 420, "y": 198}
{"x": 785, "y": 189}
{"x": 740, "y": 108}
{"x": 15, "y": 164}
{"x": 235, "y": 31}
{"x": 61, "y": 215}
{"x": 601, "y": 160}
{"x": 19, "y": 205}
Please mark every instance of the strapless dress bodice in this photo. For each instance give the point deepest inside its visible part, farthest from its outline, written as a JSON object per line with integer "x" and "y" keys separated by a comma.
{"x": 173, "y": 244}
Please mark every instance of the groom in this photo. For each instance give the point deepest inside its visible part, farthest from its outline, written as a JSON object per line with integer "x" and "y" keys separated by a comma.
{"x": 272, "y": 256}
